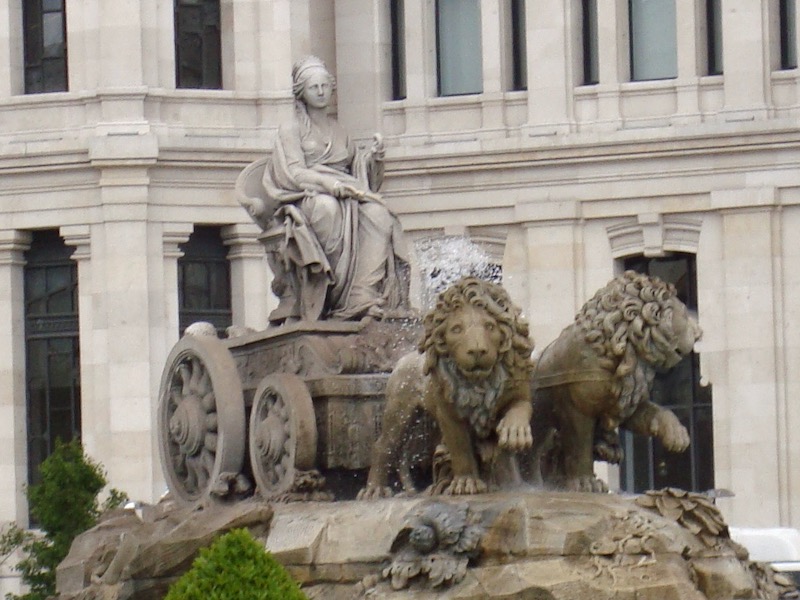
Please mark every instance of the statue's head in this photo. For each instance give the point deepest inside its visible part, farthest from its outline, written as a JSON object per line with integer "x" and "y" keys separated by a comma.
{"x": 308, "y": 73}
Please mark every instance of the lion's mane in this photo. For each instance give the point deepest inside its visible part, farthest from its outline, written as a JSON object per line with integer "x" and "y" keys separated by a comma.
{"x": 628, "y": 324}
{"x": 476, "y": 401}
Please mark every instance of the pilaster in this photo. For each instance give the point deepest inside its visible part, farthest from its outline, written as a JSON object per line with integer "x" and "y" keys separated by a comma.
{"x": 550, "y": 77}
{"x": 251, "y": 296}
{"x": 13, "y": 430}
{"x": 745, "y": 54}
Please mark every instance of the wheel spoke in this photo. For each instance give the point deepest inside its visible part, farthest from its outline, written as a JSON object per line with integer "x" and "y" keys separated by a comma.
{"x": 185, "y": 374}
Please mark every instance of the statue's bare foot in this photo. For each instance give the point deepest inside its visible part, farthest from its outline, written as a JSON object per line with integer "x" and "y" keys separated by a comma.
{"x": 666, "y": 427}
{"x": 465, "y": 485}
{"x": 585, "y": 483}
{"x": 374, "y": 492}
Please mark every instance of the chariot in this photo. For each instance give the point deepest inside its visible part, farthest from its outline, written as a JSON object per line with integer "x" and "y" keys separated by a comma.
{"x": 277, "y": 411}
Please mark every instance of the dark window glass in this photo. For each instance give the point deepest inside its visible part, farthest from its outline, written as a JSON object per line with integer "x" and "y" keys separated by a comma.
{"x": 647, "y": 465}
{"x": 45, "y": 43}
{"x": 458, "y": 44}
{"x": 398, "y": 32}
{"x": 714, "y": 39}
{"x": 519, "y": 51}
{"x": 591, "y": 74}
{"x": 788, "y": 29}
{"x": 198, "y": 55}
{"x": 654, "y": 42}
{"x": 52, "y": 351}
{"x": 204, "y": 280}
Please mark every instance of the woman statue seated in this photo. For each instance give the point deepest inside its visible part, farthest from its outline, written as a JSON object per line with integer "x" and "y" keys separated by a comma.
{"x": 343, "y": 252}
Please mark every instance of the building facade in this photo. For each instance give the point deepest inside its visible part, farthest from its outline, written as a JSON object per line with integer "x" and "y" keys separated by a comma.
{"x": 570, "y": 138}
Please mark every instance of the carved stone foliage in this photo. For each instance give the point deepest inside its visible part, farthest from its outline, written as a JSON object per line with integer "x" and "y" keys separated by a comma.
{"x": 437, "y": 543}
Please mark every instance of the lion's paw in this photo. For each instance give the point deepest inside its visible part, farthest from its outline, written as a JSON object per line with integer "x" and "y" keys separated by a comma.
{"x": 514, "y": 436}
{"x": 666, "y": 427}
{"x": 465, "y": 485}
{"x": 374, "y": 492}
{"x": 585, "y": 483}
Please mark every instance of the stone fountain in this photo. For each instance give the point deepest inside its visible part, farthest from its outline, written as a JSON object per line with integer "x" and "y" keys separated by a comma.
{"x": 379, "y": 454}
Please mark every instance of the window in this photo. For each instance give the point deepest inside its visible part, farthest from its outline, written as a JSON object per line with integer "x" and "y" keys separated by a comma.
{"x": 646, "y": 464}
{"x": 204, "y": 288}
{"x": 45, "y": 42}
{"x": 398, "y": 31}
{"x": 714, "y": 36}
{"x": 458, "y": 43}
{"x": 51, "y": 344}
{"x": 519, "y": 50}
{"x": 654, "y": 50}
{"x": 198, "y": 62}
{"x": 788, "y": 29}
{"x": 591, "y": 73}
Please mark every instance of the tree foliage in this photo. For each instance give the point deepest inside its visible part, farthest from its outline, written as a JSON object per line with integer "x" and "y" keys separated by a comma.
{"x": 235, "y": 567}
{"x": 62, "y": 505}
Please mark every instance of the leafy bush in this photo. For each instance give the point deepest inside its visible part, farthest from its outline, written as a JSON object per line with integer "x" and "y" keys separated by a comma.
{"x": 63, "y": 505}
{"x": 235, "y": 567}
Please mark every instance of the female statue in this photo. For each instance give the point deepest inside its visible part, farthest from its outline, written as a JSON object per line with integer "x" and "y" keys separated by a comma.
{"x": 342, "y": 249}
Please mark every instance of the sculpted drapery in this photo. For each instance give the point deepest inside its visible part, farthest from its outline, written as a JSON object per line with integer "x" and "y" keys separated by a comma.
{"x": 343, "y": 248}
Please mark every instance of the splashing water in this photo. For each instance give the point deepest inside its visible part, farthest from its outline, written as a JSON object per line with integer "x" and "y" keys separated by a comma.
{"x": 445, "y": 260}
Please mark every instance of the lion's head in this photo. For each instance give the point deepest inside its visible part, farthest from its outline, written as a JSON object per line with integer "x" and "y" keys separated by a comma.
{"x": 477, "y": 326}
{"x": 475, "y": 342}
{"x": 637, "y": 325}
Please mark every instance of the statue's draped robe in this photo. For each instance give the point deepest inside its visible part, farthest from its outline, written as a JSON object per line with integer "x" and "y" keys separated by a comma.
{"x": 348, "y": 255}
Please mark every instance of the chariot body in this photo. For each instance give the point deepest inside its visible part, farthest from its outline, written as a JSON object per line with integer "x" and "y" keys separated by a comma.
{"x": 276, "y": 412}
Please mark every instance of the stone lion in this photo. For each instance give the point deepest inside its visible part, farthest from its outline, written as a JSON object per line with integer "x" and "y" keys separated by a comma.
{"x": 598, "y": 374}
{"x": 471, "y": 374}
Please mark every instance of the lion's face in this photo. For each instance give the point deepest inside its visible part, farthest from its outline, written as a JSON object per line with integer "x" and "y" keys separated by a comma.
{"x": 685, "y": 330}
{"x": 473, "y": 340}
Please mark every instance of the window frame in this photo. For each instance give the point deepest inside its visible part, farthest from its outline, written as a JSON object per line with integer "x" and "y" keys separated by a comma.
{"x": 209, "y": 69}
{"x": 639, "y": 467}
{"x": 35, "y": 53}
{"x": 442, "y": 56}
{"x": 205, "y": 249}
{"x": 632, "y": 48}
{"x": 589, "y": 43}
{"x": 49, "y": 329}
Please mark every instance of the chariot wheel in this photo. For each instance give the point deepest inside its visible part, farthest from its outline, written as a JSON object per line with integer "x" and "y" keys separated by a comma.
{"x": 201, "y": 419}
{"x": 283, "y": 433}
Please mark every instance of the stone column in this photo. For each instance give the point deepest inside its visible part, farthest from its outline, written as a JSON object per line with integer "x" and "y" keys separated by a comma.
{"x": 789, "y": 226}
{"x": 251, "y": 296}
{"x": 363, "y": 46}
{"x": 744, "y": 44}
{"x": 13, "y": 429}
{"x": 550, "y": 65}
{"x": 739, "y": 351}
{"x": 688, "y": 19}
{"x": 420, "y": 43}
{"x": 12, "y": 78}
{"x": 493, "y": 39}
{"x": 613, "y": 60}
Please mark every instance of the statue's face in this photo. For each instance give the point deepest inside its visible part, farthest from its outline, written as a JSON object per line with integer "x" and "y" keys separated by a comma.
{"x": 318, "y": 89}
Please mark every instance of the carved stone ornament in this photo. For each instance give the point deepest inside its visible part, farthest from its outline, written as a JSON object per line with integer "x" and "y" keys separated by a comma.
{"x": 437, "y": 543}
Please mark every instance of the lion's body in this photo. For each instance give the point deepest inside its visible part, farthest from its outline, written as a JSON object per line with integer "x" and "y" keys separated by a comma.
{"x": 471, "y": 375}
{"x": 598, "y": 375}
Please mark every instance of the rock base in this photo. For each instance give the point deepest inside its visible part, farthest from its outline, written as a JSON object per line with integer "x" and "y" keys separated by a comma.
{"x": 532, "y": 545}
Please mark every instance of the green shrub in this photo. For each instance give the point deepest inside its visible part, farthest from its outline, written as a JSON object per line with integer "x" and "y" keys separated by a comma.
{"x": 63, "y": 505}
{"x": 235, "y": 567}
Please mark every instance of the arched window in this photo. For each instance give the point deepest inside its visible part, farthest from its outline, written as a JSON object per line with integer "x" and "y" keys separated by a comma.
{"x": 52, "y": 349}
{"x": 647, "y": 465}
{"x": 204, "y": 280}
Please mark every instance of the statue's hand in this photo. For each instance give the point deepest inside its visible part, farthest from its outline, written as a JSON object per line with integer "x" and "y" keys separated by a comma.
{"x": 345, "y": 190}
{"x": 378, "y": 149}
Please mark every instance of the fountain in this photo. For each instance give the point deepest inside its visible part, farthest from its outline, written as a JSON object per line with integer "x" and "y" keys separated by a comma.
{"x": 348, "y": 392}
